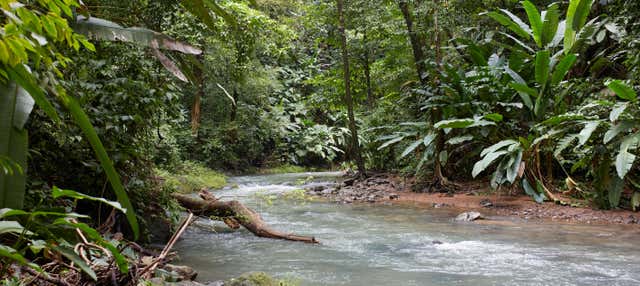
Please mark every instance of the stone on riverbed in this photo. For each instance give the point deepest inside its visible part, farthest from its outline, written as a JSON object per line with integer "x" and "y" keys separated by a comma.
{"x": 469, "y": 216}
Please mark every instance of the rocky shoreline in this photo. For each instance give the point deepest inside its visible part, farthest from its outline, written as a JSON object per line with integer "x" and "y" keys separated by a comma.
{"x": 389, "y": 188}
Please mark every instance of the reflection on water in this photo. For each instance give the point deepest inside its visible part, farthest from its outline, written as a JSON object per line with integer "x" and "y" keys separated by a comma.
{"x": 386, "y": 245}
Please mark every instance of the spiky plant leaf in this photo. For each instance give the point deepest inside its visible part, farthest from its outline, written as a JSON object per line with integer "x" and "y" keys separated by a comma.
{"x": 535, "y": 21}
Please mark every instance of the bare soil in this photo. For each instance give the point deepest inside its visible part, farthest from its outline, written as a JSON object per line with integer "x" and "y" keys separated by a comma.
{"x": 386, "y": 188}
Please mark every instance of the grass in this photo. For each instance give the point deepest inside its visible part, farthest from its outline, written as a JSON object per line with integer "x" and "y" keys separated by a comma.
{"x": 286, "y": 168}
{"x": 191, "y": 177}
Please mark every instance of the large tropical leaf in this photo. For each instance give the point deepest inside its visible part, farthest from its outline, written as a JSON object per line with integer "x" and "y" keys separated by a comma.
{"x": 543, "y": 59}
{"x": 535, "y": 21}
{"x": 481, "y": 165}
{"x": 82, "y": 120}
{"x": 563, "y": 68}
{"x": 550, "y": 24}
{"x": 615, "y": 130}
{"x": 529, "y": 190}
{"x": 514, "y": 24}
{"x": 577, "y": 14}
{"x": 624, "y": 159}
{"x": 15, "y": 107}
{"x": 104, "y": 30}
{"x": 411, "y": 148}
{"x": 587, "y": 131}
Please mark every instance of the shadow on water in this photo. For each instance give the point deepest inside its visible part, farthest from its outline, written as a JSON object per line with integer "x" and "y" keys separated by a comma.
{"x": 387, "y": 245}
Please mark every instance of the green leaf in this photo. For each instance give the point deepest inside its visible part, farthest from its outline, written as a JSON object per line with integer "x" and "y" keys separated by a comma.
{"x": 459, "y": 139}
{"x": 577, "y": 14}
{"x": 617, "y": 129}
{"x": 563, "y": 144}
{"x": 390, "y": 142}
{"x": 623, "y": 90}
{"x": 57, "y": 193}
{"x": 10, "y": 253}
{"x": 495, "y": 117}
{"x": 624, "y": 159}
{"x": 104, "y": 30}
{"x": 563, "y": 68}
{"x": 411, "y": 148}
{"x": 525, "y": 93}
{"x": 481, "y": 165}
{"x": 82, "y": 120}
{"x": 498, "y": 146}
{"x": 550, "y": 24}
{"x": 13, "y": 143}
{"x": 543, "y": 59}
{"x": 10, "y": 226}
{"x": 514, "y": 167}
{"x": 553, "y": 121}
{"x": 534, "y": 20}
{"x": 517, "y": 26}
{"x": 71, "y": 255}
{"x": 93, "y": 234}
{"x": 454, "y": 123}
{"x": 617, "y": 110}
{"x": 615, "y": 191}
{"x": 581, "y": 14}
{"x": 427, "y": 140}
{"x": 26, "y": 80}
{"x": 586, "y": 132}
{"x": 539, "y": 198}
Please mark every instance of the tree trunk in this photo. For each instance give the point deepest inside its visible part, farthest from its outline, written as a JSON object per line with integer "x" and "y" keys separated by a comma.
{"x": 367, "y": 75}
{"x": 440, "y": 177}
{"x": 347, "y": 91}
{"x": 234, "y": 214}
{"x": 195, "y": 109}
{"x": 234, "y": 107}
{"x": 417, "y": 41}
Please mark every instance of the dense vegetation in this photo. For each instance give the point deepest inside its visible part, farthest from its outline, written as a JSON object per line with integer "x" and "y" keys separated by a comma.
{"x": 533, "y": 97}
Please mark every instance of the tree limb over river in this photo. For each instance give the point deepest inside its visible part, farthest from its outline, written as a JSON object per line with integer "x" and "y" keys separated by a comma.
{"x": 233, "y": 213}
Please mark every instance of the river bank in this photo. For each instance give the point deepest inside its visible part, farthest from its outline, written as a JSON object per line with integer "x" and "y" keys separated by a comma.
{"x": 393, "y": 189}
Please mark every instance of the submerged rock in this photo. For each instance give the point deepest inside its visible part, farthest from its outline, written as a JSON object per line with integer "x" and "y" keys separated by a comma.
{"x": 255, "y": 279}
{"x": 469, "y": 216}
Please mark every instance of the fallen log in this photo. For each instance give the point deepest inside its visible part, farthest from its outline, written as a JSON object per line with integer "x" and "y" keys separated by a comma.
{"x": 233, "y": 213}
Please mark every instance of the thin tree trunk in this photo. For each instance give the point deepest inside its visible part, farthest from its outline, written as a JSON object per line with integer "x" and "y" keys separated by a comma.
{"x": 195, "y": 109}
{"x": 417, "y": 41}
{"x": 367, "y": 75}
{"x": 234, "y": 107}
{"x": 347, "y": 91}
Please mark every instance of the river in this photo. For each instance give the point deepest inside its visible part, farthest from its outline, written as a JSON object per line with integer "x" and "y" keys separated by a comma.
{"x": 394, "y": 245}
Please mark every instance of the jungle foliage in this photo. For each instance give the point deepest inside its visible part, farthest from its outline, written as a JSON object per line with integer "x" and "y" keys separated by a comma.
{"x": 131, "y": 100}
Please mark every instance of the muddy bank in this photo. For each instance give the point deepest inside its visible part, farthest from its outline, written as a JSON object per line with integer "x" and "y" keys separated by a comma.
{"x": 386, "y": 188}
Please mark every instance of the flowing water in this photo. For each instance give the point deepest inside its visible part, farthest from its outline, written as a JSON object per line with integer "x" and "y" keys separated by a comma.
{"x": 392, "y": 245}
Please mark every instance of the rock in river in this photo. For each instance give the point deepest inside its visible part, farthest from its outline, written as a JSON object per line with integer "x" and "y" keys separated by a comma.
{"x": 469, "y": 216}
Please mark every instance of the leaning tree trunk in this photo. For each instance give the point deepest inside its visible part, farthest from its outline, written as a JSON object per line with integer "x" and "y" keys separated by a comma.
{"x": 234, "y": 214}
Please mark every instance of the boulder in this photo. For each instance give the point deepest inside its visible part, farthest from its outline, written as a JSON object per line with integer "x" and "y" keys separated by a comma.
{"x": 469, "y": 216}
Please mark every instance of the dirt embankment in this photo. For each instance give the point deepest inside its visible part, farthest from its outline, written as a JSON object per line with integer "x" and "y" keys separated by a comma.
{"x": 385, "y": 188}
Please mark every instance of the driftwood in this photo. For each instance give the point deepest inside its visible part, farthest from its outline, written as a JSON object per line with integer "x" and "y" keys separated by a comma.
{"x": 234, "y": 214}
